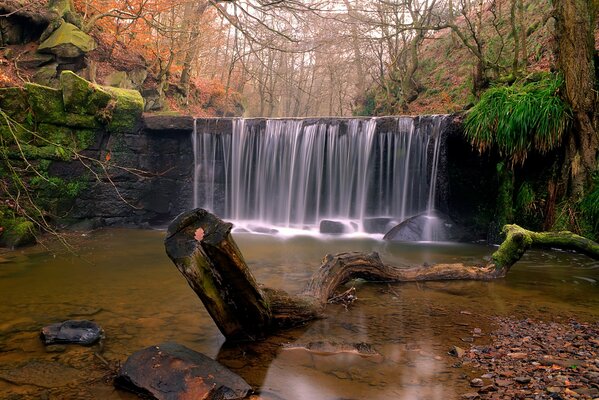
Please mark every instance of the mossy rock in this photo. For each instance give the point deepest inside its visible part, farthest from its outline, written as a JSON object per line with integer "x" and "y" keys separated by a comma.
{"x": 81, "y": 96}
{"x": 77, "y": 139}
{"x": 17, "y": 233}
{"x": 67, "y": 41}
{"x": 127, "y": 110}
{"x": 48, "y": 107}
{"x": 46, "y": 76}
{"x": 13, "y": 101}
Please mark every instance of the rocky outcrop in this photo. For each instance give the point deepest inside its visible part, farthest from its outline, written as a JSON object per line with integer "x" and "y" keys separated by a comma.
{"x": 170, "y": 371}
{"x": 67, "y": 41}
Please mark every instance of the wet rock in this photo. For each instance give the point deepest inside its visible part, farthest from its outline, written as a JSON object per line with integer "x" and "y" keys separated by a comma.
{"x": 263, "y": 229}
{"x": 437, "y": 227}
{"x": 376, "y": 225}
{"x": 333, "y": 227}
{"x": 457, "y": 352}
{"x": 72, "y": 332}
{"x": 330, "y": 348}
{"x": 170, "y": 371}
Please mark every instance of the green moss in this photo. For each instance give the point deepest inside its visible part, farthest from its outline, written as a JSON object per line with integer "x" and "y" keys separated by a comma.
{"x": 48, "y": 107}
{"x": 17, "y": 232}
{"x": 127, "y": 110}
{"x": 13, "y": 101}
{"x": 46, "y": 103}
{"x": 81, "y": 96}
{"x": 75, "y": 139}
{"x": 517, "y": 241}
{"x": 70, "y": 41}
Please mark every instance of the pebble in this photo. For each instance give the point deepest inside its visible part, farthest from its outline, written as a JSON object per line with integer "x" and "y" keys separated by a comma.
{"x": 476, "y": 382}
{"x": 531, "y": 359}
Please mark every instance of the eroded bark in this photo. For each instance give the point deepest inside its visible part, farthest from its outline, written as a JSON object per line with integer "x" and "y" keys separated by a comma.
{"x": 202, "y": 248}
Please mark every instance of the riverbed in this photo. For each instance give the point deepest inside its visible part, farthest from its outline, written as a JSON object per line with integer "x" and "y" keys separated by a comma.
{"x": 123, "y": 280}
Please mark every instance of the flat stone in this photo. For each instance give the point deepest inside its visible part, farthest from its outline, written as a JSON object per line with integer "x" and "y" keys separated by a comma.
{"x": 72, "y": 332}
{"x": 470, "y": 396}
{"x": 170, "y": 371}
{"x": 522, "y": 379}
{"x": 168, "y": 123}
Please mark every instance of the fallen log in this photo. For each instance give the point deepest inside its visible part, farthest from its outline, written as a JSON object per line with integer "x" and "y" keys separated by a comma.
{"x": 202, "y": 248}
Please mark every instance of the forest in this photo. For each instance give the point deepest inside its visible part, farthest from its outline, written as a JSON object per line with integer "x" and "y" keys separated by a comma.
{"x": 442, "y": 155}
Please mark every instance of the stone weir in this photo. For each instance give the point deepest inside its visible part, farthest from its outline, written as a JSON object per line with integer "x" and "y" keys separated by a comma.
{"x": 172, "y": 163}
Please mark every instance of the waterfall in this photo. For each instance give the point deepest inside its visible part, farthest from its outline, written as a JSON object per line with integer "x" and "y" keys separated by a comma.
{"x": 295, "y": 173}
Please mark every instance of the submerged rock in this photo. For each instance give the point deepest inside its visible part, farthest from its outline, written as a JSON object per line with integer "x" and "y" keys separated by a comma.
{"x": 72, "y": 332}
{"x": 170, "y": 371}
{"x": 331, "y": 348}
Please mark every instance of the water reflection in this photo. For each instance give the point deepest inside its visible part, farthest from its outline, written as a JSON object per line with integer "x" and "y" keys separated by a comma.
{"x": 124, "y": 281}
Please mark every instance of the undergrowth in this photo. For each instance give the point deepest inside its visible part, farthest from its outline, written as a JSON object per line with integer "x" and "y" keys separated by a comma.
{"x": 519, "y": 118}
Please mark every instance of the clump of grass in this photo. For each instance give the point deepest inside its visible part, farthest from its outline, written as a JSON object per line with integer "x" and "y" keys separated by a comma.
{"x": 516, "y": 119}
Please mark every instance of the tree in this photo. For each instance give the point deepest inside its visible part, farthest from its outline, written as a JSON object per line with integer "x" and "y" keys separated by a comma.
{"x": 575, "y": 52}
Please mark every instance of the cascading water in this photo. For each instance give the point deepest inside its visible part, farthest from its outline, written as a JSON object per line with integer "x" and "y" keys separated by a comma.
{"x": 295, "y": 173}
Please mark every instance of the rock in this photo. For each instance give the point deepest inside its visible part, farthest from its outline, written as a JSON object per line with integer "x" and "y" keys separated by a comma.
{"x": 34, "y": 60}
{"x": 81, "y": 96}
{"x": 170, "y": 371}
{"x": 522, "y": 379}
{"x": 168, "y": 123}
{"x": 262, "y": 229}
{"x": 17, "y": 232}
{"x": 333, "y": 227}
{"x": 457, "y": 352}
{"x": 72, "y": 332}
{"x": 67, "y": 41}
{"x": 476, "y": 382}
{"x": 127, "y": 111}
{"x": 376, "y": 225}
{"x": 487, "y": 389}
{"x": 119, "y": 79}
{"x": 470, "y": 396}
{"x": 46, "y": 75}
{"x": 330, "y": 348}
{"x": 424, "y": 227}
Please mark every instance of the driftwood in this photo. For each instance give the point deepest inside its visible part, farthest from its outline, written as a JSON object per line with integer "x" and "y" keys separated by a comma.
{"x": 201, "y": 246}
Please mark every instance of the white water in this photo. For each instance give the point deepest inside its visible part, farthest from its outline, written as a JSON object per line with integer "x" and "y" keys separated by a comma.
{"x": 289, "y": 175}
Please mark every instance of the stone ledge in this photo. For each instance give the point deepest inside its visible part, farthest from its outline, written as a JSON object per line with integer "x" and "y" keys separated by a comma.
{"x": 167, "y": 123}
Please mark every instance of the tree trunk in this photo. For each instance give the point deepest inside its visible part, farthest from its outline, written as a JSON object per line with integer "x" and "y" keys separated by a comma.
{"x": 201, "y": 246}
{"x": 574, "y": 53}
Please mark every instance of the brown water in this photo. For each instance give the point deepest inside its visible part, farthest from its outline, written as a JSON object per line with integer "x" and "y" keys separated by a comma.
{"x": 123, "y": 280}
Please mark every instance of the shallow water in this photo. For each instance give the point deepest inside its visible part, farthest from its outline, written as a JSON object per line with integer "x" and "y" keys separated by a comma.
{"x": 123, "y": 280}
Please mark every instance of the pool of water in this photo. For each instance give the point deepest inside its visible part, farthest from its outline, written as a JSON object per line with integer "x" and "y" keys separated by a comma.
{"x": 123, "y": 280}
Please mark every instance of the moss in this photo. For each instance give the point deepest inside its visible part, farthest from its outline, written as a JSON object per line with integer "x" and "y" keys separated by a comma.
{"x": 517, "y": 241}
{"x": 127, "y": 110}
{"x": 67, "y": 41}
{"x": 17, "y": 232}
{"x": 47, "y": 105}
{"x": 13, "y": 101}
{"x": 81, "y": 96}
{"x": 75, "y": 92}
{"x": 76, "y": 139}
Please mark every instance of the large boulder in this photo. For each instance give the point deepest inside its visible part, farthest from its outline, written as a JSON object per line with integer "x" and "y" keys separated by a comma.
{"x": 67, "y": 41}
{"x": 170, "y": 371}
{"x": 426, "y": 227}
